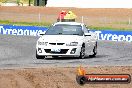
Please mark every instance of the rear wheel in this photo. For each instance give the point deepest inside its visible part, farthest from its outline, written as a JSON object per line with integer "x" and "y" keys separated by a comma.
{"x": 39, "y": 57}
{"x": 82, "y": 53}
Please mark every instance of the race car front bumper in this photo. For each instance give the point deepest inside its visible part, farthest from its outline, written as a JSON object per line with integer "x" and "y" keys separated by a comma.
{"x": 59, "y": 51}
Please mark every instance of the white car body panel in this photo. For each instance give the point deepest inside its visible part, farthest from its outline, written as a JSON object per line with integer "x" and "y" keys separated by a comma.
{"x": 60, "y": 39}
{"x": 49, "y": 40}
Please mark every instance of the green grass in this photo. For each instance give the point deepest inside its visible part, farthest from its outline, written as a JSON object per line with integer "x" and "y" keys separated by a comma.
{"x": 126, "y": 23}
{"x": 109, "y": 28}
{"x": 24, "y": 23}
{"x": 46, "y": 24}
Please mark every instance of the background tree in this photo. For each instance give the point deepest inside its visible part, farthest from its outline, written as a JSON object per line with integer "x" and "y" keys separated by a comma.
{"x": 29, "y": 2}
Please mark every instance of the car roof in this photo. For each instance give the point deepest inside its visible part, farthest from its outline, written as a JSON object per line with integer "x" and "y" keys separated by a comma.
{"x": 69, "y": 23}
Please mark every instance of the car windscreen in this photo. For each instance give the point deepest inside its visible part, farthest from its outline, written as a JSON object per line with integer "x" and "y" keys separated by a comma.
{"x": 65, "y": 30}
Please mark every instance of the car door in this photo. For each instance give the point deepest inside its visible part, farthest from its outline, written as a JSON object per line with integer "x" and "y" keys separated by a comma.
{"x": 89, "y": 45}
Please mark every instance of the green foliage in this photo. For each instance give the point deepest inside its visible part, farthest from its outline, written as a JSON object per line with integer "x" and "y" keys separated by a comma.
{"x": 3, "y": 0}
{"x": 23, "y": 1}
{"x": 27, "y": 1}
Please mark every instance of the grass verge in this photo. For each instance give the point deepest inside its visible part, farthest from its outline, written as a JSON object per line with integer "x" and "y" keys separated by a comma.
{"x": 6, "y": 22}
{"x": 47, "y": 24}
{"x": 109, "y": 28}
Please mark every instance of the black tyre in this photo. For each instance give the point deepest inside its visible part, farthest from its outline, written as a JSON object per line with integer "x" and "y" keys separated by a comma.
{"x": 39, "y": 57}
{"x": 82, "y": 53}
{"x": 81, "y": 80}
{"x": 94, "y": 51}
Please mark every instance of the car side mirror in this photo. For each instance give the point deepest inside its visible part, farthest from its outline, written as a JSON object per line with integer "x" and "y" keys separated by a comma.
{"x": 41, "y": 34}
{"x": 87, "y": 34}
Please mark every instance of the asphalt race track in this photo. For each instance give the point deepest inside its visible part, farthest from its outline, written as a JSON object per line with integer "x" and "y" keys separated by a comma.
{"x": 19, "y": 51}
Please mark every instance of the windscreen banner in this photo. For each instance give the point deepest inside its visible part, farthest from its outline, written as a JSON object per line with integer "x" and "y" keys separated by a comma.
{"x": 36, "y": 31}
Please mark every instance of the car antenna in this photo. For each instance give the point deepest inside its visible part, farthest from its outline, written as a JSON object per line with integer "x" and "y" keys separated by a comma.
{"x": 82, "y": 19}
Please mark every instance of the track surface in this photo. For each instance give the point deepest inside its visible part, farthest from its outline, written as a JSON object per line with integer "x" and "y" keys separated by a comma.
{"x": 19, "y": 51}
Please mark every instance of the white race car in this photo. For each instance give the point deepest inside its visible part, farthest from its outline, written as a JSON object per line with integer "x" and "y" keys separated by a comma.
{"x": 68, "y": 39}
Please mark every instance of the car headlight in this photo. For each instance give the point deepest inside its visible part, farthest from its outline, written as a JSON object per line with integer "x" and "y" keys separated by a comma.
{"x": 42, "y": 43}
{"x": 72, "y": 44}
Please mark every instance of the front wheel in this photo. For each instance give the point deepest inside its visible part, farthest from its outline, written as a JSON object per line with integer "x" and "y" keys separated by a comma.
{"x": 39, "y": 57}
{"x": 94, "y": 51}
{"x": 82, "y": 53}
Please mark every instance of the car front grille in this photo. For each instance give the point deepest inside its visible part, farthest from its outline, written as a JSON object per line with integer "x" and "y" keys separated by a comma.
{"x": 60, "y": 43}
{"x": 52, "y": 43}
{"x": 56, "y": 43}
{"x": 63, "y": 51}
